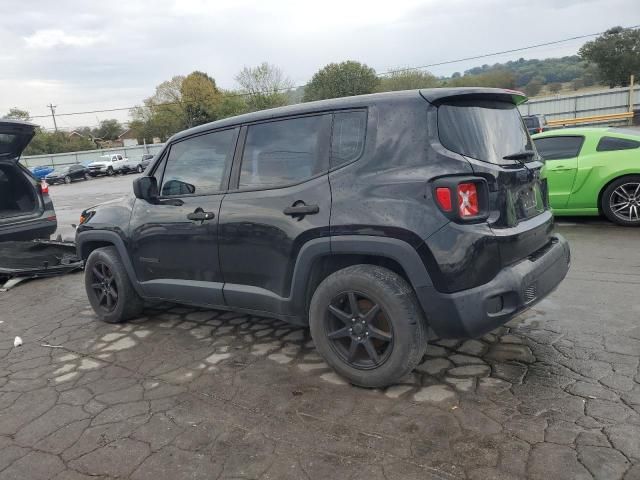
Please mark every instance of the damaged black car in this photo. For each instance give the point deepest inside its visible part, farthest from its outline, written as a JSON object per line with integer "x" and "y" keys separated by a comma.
{"x": 26, "y": 211}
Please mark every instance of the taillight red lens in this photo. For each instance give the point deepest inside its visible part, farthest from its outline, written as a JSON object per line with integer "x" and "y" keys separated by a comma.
{"x": 468, "y": 204}
{"x": 443, "y": 196}
{"x": 44, "y": 188}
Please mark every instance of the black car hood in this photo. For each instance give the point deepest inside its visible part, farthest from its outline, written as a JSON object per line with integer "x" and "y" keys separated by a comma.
{"x": 15, "y": 135}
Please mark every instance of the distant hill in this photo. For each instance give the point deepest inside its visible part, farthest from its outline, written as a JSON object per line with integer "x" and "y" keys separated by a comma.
{"x": 546, "y": 71}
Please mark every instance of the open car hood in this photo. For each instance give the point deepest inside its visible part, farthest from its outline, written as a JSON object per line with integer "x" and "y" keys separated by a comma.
{"x": 15, "y": 135}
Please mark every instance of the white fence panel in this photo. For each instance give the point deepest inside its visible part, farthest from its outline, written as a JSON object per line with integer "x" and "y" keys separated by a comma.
{"x": 88, "y": 156}
{"x": 560, "y": 107}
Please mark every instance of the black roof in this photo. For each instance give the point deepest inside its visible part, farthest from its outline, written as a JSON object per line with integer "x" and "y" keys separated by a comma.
{"x": 432, "y": 95}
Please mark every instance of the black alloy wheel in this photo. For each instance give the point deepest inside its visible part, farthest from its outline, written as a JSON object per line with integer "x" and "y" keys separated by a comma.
{"x": 359, "y": 330}
{"x": 105, "y": 287}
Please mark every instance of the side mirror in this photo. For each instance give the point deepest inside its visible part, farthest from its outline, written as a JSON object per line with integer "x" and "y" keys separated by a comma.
{"x": 146, "y": 188}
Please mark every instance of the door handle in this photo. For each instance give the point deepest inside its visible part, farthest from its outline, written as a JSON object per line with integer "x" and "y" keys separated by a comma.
{"x": 300, "y": 210}
{"x": 199, "y": 215}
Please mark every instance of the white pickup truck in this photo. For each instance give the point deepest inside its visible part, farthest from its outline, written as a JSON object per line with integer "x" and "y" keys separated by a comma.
{"x": 108, "y": 164}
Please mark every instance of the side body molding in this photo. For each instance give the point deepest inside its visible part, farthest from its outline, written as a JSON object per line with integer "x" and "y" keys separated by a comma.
{"x": 293, "y": 307}
{"x": 264, "y": 302}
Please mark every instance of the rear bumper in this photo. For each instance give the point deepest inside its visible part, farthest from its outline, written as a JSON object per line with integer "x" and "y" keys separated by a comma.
{"x": 29, "y": 230}
{"x": 476, "y": 311}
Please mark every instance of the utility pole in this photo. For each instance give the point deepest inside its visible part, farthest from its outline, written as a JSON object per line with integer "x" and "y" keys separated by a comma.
{"x": 53, "y": 115}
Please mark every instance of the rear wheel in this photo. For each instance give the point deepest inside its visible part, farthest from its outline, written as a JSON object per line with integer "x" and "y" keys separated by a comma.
{"x": 367, "y": 324}
{"x": 67, "y": 179}
{"x": 621, "y": 201}
{"x": 108, "y": 287}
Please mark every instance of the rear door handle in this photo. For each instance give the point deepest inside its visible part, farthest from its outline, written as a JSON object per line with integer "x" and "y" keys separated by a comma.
{"x": 199, "y": 215}
{"x": 301, "y": 210}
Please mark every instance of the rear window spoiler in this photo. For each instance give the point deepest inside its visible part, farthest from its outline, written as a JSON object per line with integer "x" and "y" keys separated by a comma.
{"x": 437, "y": 96}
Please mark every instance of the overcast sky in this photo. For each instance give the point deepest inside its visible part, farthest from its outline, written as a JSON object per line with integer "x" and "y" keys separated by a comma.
{"x": 85, "y": 55}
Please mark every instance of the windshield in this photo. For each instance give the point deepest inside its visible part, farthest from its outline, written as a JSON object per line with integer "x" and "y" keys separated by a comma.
{"x": 7, "y": 143}
{"x": 484, "y": 130}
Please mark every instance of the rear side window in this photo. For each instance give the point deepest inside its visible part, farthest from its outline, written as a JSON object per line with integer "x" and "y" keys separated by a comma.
{"x": 610, "y": 144}
{"x": 285, "y": 151}
{"x": 484, "y": 130}
{"x": 556, "y": 148}
{"x": 347, "y": 137}
{"x": 198, "y": 165}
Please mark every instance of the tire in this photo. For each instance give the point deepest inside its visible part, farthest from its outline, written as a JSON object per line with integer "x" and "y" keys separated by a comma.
{"x": 110, "y": 171}
{"x": 618, "y": 208}
{"x": 106, "y": 263}
{"x": 87, "y": 176}
{"x": 399, "y": 316}
{"x": 139, "y": 169}
{"x": 67, "y": 179}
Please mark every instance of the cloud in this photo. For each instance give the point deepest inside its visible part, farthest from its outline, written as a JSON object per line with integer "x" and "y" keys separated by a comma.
{"x": 50, "y": 38}
{"x": 83, "y": 55}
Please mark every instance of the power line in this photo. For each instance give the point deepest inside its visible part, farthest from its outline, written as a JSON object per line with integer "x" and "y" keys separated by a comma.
{"x": 493, "y": 54}
{"x": 388, "y": 72}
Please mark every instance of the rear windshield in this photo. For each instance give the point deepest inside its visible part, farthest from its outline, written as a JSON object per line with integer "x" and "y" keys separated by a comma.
{"x": 531, "y": 122}
{"x": 484, "y": 130}
{"x": 7, "y": 143}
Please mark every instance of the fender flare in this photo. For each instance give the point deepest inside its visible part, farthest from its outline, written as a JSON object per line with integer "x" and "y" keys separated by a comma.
{"x": 114, "y": 239}
{"x": 395, "y": 249}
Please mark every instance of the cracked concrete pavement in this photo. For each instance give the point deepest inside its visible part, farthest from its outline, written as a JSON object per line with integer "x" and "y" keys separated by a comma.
{"x": 192, "y": 393}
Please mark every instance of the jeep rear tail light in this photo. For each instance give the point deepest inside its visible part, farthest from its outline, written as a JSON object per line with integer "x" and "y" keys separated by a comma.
{"x": 462, "y": 199}
{"x": 443, "y": 196}
{"x": 468, "y": 202}
{"x": 44, "y": 187}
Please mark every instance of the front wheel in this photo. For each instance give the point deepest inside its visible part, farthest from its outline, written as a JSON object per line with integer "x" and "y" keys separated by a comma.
{"x": 87, "y": 176}
{"x": 67, "y": 179}
{"x": 140, "y": 169}
{"x": 367, "y": 324}
{"x": 108, "y": 287}
{"x": 621, "y": 201}
{"x": 110, "y": 171}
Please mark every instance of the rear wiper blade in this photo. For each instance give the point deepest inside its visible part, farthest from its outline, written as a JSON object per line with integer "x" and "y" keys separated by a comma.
{"x": 524, "y": 155}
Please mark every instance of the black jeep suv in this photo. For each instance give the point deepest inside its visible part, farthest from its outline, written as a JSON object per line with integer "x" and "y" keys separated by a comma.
{"x": 371, "y": 218}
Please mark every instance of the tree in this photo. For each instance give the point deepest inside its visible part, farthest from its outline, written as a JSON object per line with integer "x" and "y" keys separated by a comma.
{"x": 264, "y": 86}
{"x": 533, "y": 87}
{"x": 108, "y": 130}
{"x": 616, "y": 53}
{"x": 56, "y": 142}
{"x": 555, "y": 87}
{"x": 407, "y": 80}
{"x": 498, "y": 78}
{"x": 577, "y": 84}
{"x": 17, "y": 114}
{"x": 341, "y": 80}
{"x": 231, "y": 104}
{"x": 200, "y": 99}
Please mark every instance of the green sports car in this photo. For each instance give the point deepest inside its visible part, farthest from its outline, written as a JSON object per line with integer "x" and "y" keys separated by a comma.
{"x": 593, "y": 171}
